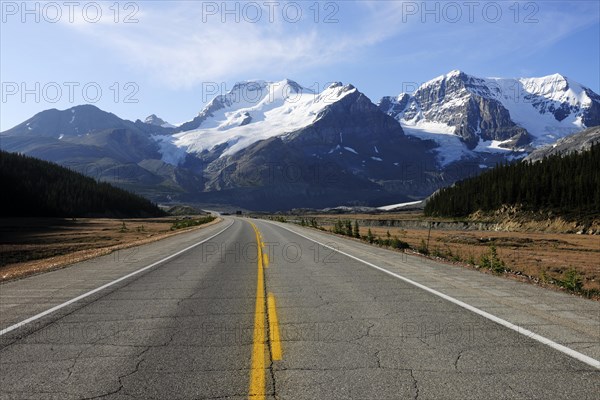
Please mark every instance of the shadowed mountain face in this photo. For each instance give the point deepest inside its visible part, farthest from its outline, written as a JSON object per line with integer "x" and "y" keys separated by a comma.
{"x": 103, "y": 146}
{"x": 78, "y": 121}
{"x": 575, "y": 143}
{"x": 277, "y": 145}
{"x": 353, "y": 154}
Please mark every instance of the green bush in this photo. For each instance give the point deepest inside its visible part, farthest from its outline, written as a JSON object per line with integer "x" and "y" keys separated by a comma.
{"x": 572, "y": 281}
{"x": 186, "y": 223}
{"x": 491, "y": 261}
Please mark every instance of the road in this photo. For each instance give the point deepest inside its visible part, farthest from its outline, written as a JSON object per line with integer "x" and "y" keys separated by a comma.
{"x": 252, "y": 309}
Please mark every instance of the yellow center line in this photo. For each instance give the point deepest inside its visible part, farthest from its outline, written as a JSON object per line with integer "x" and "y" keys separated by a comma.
{"x": 258, "y": 375}
{"x": 276, "y": 352}
{"x": 258, "y": 371}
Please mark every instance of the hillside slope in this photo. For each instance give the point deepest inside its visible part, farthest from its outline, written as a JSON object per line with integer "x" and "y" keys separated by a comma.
{"x": 566, "y": 185}
{"x": 36, "y": 188}
{"x": 578, "y": 142}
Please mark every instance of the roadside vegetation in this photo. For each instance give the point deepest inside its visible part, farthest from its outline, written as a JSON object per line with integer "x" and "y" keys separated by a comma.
{"x": 544, "y": 259}
{"x": 188, "y": 223}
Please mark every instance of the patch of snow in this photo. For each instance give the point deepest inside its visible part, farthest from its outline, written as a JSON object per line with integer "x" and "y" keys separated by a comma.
{"x": 399, "y": 205}
{"x": 520, "y": 96}
{"x": 275, "y": 111}
{"x": 170, "y": 153}
{"x": 529, "y": 101}
{"x": 376, "y": 159}
{"x": 350, "y": 149}
{"x": 376, "y": 150}
{"x": 450, "y": 147}
{"x": 61, "y": 136}
{"x": 491, "y": 146}
{"x": 336, "y": 148}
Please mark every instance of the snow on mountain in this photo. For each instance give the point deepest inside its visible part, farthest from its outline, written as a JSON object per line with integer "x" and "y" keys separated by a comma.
{"x": 578, "y": 142}
{"x": 251, "y": 112}
{"x": 467, "y": 115}
{"x": 549, "y": 108}
{"x": 154, "y": 120}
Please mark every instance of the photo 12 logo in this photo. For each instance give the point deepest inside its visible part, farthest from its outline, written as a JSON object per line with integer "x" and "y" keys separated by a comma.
{"x": 260, "y": 91}
{"x": 53, "y": 12}
{"x": 71, "y": 92}
{"x": 469, "y": 11}
{"x": 270, "y": 11}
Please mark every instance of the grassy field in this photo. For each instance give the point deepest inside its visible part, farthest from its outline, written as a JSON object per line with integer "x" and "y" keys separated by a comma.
{"x": 32, "y": 245}
{"x": 562, "y": 260}
{"x": 545, "y": 257}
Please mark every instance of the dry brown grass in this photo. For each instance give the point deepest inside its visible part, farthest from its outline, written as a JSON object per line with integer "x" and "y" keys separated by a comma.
{"x": 33, "y": 245}
{"x": 544, "y": 257}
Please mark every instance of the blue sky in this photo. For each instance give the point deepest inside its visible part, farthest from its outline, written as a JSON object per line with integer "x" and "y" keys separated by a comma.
{"x": 167, "y": 57}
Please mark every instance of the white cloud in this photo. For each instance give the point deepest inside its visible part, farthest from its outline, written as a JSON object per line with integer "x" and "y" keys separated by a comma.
{"x": 176, "y": 47}
{"x": 173, "y": 45}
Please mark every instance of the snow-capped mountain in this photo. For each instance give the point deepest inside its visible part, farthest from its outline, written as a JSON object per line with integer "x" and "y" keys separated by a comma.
{"x": 278, "y": 145}
{"x": 492, "y": 114}
{"x": 156, "y": 121}
{"x": 102, "y": 145}
{"x": 251, "y": 137}
{"x": 251, "y": 112}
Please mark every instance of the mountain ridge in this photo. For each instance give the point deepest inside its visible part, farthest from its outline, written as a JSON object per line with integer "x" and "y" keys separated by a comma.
{"x": 400, "y": 149}
{"x": 488, "y": 114}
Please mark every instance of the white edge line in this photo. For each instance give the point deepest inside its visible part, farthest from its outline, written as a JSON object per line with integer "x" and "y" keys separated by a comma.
{"x": 98, "y": 289}
{"x": 563, "y": 349}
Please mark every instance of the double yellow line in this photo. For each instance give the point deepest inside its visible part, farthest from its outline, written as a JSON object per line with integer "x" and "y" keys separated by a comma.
{"x": 263, "y": 310}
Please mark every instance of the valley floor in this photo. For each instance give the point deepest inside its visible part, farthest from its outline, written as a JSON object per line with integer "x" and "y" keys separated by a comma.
{"x": 33, "y": 245}
{"x": 568, "y": 261}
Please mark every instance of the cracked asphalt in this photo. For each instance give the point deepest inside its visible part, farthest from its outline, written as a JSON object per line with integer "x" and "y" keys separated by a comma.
{"x": 185, "y": 329}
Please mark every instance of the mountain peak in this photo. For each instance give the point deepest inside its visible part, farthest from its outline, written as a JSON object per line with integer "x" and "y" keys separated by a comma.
{"x": 249, "y": 85}
{"x": 157, "y": 121}
{"x": 491, "y": 113}
{"x": 454, "y": 72}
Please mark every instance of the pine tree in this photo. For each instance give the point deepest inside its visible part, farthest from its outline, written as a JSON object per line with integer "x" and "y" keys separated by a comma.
{"x": 370, "y": 237}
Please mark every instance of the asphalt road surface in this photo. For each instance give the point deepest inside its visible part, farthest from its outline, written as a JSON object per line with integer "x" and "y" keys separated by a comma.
{"x": 250, "y": 309}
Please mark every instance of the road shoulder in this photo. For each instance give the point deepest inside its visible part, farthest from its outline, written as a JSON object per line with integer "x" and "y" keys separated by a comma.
{"x": 568, "y": 320}
{"x": 23, "y": 298}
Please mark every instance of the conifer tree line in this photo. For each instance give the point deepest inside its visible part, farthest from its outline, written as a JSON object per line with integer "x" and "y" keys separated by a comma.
{"x": 568, "y": 183}
{"x": 37, "y": 188}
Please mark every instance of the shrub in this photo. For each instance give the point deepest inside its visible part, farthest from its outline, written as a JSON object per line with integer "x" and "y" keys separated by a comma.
{"x": 423, "y": 247}
{"x": 572, "y": 281}
{"x": 491, "y": 261}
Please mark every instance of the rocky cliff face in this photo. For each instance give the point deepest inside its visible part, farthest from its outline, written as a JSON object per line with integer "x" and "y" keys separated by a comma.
{"x": 352, "y": 154}
{"x": 514, "y": 112}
